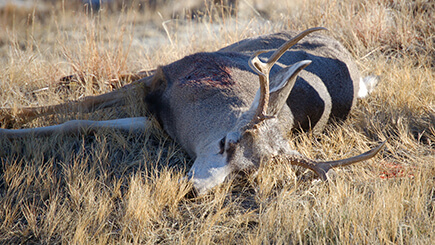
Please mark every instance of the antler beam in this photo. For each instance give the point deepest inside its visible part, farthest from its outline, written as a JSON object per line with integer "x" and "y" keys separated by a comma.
{"x": 263, "y": 70}
{"x": 321, "y": 168}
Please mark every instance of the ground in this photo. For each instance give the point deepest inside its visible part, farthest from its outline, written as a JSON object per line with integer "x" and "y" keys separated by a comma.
{"x": 111, "y": 187}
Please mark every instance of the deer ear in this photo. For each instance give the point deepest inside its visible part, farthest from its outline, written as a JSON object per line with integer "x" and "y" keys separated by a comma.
{"x": 281, "y": 85}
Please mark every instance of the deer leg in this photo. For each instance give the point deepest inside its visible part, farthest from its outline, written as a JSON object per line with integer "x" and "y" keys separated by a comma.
{"x": 118, "y": 97}
{"x": 136, "y": 124}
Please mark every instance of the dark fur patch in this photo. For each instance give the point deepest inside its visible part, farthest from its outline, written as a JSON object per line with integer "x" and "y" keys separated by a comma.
{"x": 213, "y": 76}
{"x": 207, "y": 72}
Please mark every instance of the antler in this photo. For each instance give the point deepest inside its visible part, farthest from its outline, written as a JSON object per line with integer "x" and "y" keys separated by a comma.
{"x": 321, "y": 168}
{"x": 263, "y": 70}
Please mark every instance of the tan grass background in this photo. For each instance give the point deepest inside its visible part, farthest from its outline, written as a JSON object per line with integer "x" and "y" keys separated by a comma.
{"x": 116, "y": 188}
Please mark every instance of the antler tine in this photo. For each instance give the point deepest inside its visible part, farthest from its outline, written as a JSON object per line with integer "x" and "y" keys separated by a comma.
{"x": 281, "y": 50}
{"x": 263, "y": 70}
{"x": 321, "y": 168}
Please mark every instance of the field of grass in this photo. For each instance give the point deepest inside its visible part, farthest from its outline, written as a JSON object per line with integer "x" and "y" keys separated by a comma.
{"x": 116, "y": 188}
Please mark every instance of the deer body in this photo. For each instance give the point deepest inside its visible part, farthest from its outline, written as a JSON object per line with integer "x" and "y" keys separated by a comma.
{"x": 221, "y": 83}
{"x": 211, "y": 105}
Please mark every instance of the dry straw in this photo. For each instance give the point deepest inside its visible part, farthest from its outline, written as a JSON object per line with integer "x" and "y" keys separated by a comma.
{"x": 115, "y": 188}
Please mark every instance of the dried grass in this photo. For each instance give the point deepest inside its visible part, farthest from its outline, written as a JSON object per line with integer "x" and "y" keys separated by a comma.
{"x": 121, "y": 188}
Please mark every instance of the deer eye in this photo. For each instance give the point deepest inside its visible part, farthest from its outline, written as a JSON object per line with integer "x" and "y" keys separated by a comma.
{"x": 222, "y": 145}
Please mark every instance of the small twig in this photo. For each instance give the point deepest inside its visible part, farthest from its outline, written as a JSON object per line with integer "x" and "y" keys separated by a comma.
{"x": 167, "y": 32}
{"x": 253, "y": 9}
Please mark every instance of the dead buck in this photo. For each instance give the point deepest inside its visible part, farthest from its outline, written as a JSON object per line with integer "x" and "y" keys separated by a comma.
{"x": 209, "y": 103}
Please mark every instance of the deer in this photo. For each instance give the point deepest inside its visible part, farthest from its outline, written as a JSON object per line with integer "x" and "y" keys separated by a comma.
{"x": 210, "y": 103}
